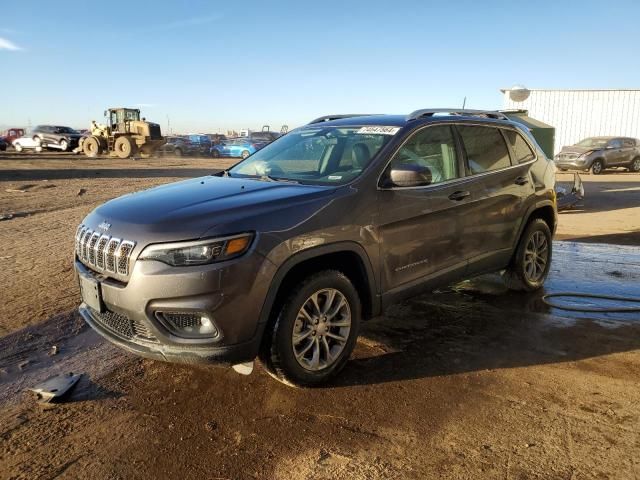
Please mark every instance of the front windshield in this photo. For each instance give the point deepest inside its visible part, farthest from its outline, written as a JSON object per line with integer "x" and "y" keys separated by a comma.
{"x": 317, "y": 155}
{"x": 593, "y": 143}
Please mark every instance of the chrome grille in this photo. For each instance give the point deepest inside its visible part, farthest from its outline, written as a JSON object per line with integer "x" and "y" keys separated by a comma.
{"x": 102, "y": 252}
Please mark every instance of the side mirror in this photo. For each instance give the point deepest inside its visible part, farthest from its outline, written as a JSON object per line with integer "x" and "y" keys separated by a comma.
{"x": 409, "y": 175}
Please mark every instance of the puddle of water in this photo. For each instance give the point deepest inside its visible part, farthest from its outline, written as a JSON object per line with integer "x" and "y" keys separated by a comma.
{"x": 599, "y": 269}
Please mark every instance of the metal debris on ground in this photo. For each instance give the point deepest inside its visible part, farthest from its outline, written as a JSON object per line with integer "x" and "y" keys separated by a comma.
{"x": 6, "y": 216}
{"x": 55, "y": 387}
{"x": 82, "y": 191}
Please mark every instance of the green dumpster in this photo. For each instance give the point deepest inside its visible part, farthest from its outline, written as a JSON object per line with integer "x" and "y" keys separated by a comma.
{"x": 544, "y": 134}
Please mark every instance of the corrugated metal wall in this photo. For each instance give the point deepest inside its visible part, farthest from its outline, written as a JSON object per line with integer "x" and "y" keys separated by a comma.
{"x": 578, "y": 114}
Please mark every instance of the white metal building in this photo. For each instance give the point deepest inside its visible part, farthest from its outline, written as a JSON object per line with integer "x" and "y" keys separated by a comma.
{"x": 577, "y": 114}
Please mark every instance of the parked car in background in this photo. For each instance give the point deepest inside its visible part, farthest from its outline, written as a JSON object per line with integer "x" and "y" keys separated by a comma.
{"x": 599, "y": 153}
{"x": 56, "y": 136}
{"x": 201, "y": 143}
{"x": 236, "y": 147}
{"x": 3, "y": 144}
{"x": 177, "y": 146}
{"x": 216, "y": 137}
{"x": 264, "y": 137}
{"x": 27, "y": 143}
{"x": 10, "y": 134}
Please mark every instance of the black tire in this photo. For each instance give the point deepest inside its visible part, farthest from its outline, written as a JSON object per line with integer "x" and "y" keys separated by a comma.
{"x": 215, "y": 153}
{"x": 635, "y": 165}
{"x": 245, "y": 154}
{"x": 91, "y": 147}
{"x": 177, "y": 152}
{"x": 124, "y": 147}
{"x": 277, "y": 352}
{"x": 597, "y": 167}
{"x": 516, "y": 276}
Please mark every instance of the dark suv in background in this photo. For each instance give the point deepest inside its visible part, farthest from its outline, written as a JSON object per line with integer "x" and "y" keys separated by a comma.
{"x": 283, "y": 255}
{"x": 55, "y": 136}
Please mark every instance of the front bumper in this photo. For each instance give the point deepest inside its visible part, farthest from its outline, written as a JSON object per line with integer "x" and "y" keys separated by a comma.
{"x": 230, "y": 293}
{"x": 573, "y": 164}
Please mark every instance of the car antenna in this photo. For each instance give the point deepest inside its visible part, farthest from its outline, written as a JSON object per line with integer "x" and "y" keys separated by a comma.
{"x": 464, "y": 102}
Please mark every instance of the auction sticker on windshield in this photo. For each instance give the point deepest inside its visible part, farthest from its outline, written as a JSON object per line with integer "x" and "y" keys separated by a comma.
{"x": 378, "y": 130}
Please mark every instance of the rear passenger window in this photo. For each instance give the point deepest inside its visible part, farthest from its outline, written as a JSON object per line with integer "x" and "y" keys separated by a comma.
{"x": 627, "y": 142}
{"x": 432, "y": 147}
{"x": 521, "y": 150}
{"x": 485, "y": 149}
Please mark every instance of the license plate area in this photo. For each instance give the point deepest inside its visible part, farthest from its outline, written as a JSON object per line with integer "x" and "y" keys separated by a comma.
{"x": 90, "y": 292}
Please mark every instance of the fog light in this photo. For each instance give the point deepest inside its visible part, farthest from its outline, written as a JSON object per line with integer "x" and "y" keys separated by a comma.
{"x": 207, "y": 327}
{"x": 190, "y": 324}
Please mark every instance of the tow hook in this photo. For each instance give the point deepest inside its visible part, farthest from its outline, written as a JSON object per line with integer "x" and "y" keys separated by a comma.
{"x": 243, "y": 368}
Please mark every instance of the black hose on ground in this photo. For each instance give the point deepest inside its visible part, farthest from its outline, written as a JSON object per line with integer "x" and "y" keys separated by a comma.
{"x": 592, "y": 309}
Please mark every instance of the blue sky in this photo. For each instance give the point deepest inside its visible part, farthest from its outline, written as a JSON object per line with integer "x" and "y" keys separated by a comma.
{"x": 214, "y": 65}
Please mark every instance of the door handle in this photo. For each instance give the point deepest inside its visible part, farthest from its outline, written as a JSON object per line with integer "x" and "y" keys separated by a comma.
{"x": 459, "y": 195}
{"x": 521, "y": 181}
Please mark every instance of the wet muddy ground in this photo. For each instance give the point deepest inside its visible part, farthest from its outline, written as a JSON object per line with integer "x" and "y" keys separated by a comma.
{"x": 469, "y": 382}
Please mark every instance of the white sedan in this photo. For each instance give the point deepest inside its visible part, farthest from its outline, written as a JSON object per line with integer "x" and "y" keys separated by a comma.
{"x": 24, "y": 143}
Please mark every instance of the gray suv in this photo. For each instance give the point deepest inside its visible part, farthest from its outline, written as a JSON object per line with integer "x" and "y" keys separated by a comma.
{"x": 283, "y": 256}
{"x": 598, "y": 153}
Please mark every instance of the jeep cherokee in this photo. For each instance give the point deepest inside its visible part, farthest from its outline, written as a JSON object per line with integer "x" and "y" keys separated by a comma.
{"x": 282, "y": 256}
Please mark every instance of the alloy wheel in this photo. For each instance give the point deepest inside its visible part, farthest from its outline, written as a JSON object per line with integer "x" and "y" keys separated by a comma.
{"x": 636, "y": 165}
{"x": 321, "y": 329}
{"x": 536, "y": 256}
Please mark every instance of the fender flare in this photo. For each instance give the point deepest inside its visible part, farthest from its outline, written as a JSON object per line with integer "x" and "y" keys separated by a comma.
{"x": 539, "y": 204}
{"x": 314, "y": 252}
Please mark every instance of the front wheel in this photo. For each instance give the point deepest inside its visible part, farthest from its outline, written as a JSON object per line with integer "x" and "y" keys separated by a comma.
{"x": 124, "y": 147}
{"x": 529, "y": 266}
{"x": 315, "y": 331}
{"x": 635, "y": 165}
{"x": 215, "y": 153}
{"x": 17, "y": 147}
{"x": 597, "y": 167}
{"x": 64, "y": 145}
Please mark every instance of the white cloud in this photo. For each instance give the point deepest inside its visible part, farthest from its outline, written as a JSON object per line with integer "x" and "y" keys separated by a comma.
{"x": 8, "y": 45}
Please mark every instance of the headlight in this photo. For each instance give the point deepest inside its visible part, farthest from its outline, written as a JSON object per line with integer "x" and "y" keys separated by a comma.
{"x": 200, "y": 252}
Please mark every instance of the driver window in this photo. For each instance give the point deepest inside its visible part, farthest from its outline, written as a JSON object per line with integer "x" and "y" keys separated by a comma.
{"x": 615, "y": 143}
{"x": 434, "y": 148}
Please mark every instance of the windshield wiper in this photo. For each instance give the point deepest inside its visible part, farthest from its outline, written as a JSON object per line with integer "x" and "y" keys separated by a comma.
{"x": 269, "y": 178}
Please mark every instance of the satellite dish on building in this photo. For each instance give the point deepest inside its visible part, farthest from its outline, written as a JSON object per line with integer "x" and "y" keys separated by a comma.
{"x": 519, "y": 93}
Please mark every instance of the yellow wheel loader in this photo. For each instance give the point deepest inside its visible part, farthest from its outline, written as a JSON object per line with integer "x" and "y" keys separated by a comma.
{"x": 124, "y": 136}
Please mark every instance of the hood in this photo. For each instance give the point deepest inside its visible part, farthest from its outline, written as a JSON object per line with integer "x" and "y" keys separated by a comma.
{"x": 577, "y": 150}
{"x": 187, "y": 209}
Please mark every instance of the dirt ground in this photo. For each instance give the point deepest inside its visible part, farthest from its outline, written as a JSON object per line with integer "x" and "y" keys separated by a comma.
{"x": 472, "y": 383}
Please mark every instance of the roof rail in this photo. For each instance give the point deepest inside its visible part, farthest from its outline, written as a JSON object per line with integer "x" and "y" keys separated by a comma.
{"x": 328, "y": 118}
{"x": 430, "y": 112}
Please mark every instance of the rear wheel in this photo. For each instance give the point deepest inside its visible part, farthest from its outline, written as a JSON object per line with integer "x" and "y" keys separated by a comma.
{"x": 177, "y": 152}
{"x": 245, "y": 154}
{"x": 597, "y": 167}
{"x": 18, "y": 147}
{"x": 91, "y": 147}
{"x": 315, "y": 331}
{"x": 124, "y": 147}
{"x": 215, "y": 153}
{"x": 635, "y": 165}
{"x": 64, "y": 145}
{"x": 530, "y": 265}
